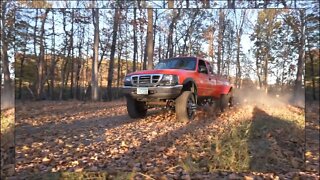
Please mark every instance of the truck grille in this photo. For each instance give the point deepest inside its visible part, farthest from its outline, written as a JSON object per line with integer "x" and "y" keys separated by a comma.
{"x": 146, "y": 80}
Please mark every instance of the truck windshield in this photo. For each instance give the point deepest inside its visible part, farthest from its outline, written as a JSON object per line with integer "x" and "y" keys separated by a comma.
{"x": 177, "y": 63}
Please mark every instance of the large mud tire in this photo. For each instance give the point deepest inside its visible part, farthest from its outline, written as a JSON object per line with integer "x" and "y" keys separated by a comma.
{"x": 136, "y": 109}
{"x": 184, "y": 106}
{"x": 223, "y": 102}
{"x": 231, "y": 100}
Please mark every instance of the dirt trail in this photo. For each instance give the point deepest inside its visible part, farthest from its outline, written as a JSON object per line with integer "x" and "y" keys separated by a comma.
{"x": 76, "y": 136}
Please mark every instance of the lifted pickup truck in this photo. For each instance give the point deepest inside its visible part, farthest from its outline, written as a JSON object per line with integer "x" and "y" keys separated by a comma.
{"x": 180, "y": 82}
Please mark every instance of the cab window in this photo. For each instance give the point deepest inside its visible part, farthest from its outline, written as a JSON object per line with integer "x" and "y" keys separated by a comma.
{"x": 202, "y": 68}
{"x": 210, "y": 68}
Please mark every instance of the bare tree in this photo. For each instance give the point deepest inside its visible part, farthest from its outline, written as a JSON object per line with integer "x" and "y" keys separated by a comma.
{"x": 189, "y": 31}
{"x": 65, "y": 61}
{"x": 170, "y": 4}
{"x": 7, "y": 26}
{"x": 172, "y": 26}
{"x": 6, "y": 29}
{"x": 206, "y": 3}
{"x": 53, "y": 58}
{"x": 94, "y": 75}
{"x": 35, "y": 33}
{"x": 40, "y": 63}
{"x": 220, "y": 39}
{"x": 135, "y": 43}
{"x": 298, "y": 27}
{"x": 22, "y": 62}
{"x": 301, "y": 52}
{"x": 231, "y": 4}
{"x": 239, "y": 32}
{"x": 72, "y": 54}
{"x": 113, "y": 50}
{"x": 149, "y": 44}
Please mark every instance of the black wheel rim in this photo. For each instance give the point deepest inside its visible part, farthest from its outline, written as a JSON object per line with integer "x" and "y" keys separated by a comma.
{"x": 191, "y": 107}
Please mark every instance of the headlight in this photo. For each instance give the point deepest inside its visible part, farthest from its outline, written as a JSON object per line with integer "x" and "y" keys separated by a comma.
{"x": 169, "y": 80}
{"x": 127, "y": 81}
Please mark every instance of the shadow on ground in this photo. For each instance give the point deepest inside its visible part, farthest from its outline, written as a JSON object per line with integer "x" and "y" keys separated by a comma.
{"x": 275, "y": 145}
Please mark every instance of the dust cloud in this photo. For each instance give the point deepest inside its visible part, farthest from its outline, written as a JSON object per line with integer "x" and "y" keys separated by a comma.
{"x": 258, "y": 96}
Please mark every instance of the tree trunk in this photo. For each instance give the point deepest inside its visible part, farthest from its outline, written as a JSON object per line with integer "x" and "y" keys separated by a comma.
{"x": 113, "y": 49}
{"x": 313, "y": 76}
{"x": 159, "y": 48}
{"x": 239, "y": 35}
{"x": 53, "y": 59}
{"x": 266, "y": 62}
{"x": 231, "y": 4}
{"x": 7, "y": 100}
{"x": 298, "y": 81}
{"x": 101, "y": 56}
{"x": 189, "y": 32}
{"x": 79, "y": 59}
{"x": 72, "y": 55}
{"x": 127, "y": 66}
{"x": 145, "y": 54}
{"x": 238, "y": 71}
{"x": 40, "y": 64}
{"x": 312, "y": 71}
{"x": 211, "y": 45}
{"x": 150, "y": 39}
{"x": 220, "y": 40}
{"x": 86, "y": 78}
{"x": 141, "y": 43}
{"x": 258, "y": 72}
{"x": 135, "y": 43}
{"x": 145, "y": 57}
{"x": 21, "y": 72}
{"x": 170, "y": 4}
{"x": 35, "y": 38}
{"x": 119, "y": 70}
{"x": 119, "y": 60}
{"x": 35, "y": 34}
{"x": 154, "y": 30}
{"x": 94, "y": 75}
{"x": 172, "y": 27}
{"x": 65, "y": 62}
{"x": 6, "y": 93}
{"x": 206, "y": 3}
{"x": 22, "y": 67}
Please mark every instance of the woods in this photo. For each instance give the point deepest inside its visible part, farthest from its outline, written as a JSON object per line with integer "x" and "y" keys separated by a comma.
{"x": 75, "y": 56}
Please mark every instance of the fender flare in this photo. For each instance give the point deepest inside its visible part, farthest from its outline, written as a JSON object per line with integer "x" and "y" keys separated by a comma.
{"x": 188, "y": 80}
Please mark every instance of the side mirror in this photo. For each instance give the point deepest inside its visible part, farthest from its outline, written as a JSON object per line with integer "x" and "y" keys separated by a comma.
{"x": 203, "y": 69}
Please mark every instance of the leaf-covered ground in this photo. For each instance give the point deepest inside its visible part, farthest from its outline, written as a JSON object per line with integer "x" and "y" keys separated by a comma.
{"x": 254, "y": 139}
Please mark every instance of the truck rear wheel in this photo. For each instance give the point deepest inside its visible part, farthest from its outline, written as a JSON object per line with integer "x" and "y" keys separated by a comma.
{"x": 231, "y": 100}
{"x": 136, "y": 109}
{"x": 185, "y": 106}
{"x": 223, "y": 102}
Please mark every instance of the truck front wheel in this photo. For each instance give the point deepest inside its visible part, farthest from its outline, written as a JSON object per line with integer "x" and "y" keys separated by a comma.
{"x": 185, "y": 106}
{"x": 136, "y": 109}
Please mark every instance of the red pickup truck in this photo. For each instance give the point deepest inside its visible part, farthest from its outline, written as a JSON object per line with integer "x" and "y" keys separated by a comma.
{"x": 180, "y": 82}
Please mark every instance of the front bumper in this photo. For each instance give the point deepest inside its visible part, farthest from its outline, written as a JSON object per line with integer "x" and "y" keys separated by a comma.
{"x": 160, "y": 92}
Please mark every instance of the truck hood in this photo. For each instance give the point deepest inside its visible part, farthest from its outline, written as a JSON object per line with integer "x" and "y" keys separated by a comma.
{"x": 160, "y": 71}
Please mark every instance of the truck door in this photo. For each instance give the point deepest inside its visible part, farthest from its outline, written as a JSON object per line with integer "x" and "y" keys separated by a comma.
{"x": 212, "y": 81}
{"x": 203, "y": 79}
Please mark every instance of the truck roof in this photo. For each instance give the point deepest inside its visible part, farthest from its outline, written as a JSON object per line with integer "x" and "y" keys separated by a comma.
{"x": 187, "y": 56}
